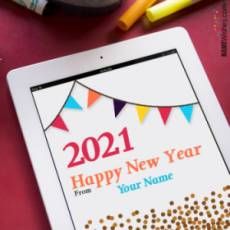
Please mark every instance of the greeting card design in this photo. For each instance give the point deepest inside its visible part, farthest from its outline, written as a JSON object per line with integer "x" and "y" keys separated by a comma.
{"x": 133, "y": 149}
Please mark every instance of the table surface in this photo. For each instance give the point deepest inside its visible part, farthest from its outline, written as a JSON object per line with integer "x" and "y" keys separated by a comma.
{"x": 27, "y": 38}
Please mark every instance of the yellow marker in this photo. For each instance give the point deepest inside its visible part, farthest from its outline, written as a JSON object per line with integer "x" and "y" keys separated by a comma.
{"x": 166, "y": 8}
{"x": 136, "y": 10}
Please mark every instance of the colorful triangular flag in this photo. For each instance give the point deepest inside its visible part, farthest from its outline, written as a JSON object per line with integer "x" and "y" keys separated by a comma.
{"x": 142, "y": 112}
{"x": 71, "y": 103}
{"x": 164, "y": 112}
{"x": 92, "y": 97}
{"x": 118, "y": 106}
{"x": 187, "y": 111}
{"x": 59, "y": 123}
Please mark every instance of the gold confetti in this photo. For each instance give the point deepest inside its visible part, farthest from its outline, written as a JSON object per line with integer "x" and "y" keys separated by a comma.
{"x": 209, "y": 213}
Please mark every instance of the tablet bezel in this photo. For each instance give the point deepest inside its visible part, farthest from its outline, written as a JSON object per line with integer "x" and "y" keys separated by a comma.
{"x": 21, "y": 80}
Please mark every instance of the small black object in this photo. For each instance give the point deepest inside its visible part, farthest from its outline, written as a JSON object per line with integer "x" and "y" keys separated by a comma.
{"x": 92, "y": 6}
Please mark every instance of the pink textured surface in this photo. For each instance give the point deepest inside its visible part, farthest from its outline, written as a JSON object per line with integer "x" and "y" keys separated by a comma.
{"x": 27, "y": 38}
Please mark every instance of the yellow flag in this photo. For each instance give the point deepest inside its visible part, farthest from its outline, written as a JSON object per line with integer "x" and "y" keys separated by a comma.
{"x": 142, "y": 112}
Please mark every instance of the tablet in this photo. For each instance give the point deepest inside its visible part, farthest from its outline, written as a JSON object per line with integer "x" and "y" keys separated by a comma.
{"x": 127, "y": 136}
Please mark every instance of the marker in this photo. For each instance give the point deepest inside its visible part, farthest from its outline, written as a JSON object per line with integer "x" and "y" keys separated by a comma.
{"x": 136, "y": 10}
{"x": 36, "y": 6}
{"x": 167, "y": 8}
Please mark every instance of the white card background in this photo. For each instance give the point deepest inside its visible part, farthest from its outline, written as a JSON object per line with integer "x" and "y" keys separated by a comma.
{"x": 158, "y": 82}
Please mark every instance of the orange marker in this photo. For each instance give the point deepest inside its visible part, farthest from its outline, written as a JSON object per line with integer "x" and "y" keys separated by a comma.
{"x": 136, "y": 10}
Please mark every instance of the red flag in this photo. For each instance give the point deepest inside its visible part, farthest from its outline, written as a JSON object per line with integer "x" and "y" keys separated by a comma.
{"x": 59, "y": 123}
{"x": 164, "y": 112}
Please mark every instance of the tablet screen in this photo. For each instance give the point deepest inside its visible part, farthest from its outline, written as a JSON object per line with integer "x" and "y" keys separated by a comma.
{"x": 132, "y": 147}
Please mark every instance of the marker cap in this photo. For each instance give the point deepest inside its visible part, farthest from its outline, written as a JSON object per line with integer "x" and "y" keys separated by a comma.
{"x": 166, "y": 8}
{"x": 136, "y": 10}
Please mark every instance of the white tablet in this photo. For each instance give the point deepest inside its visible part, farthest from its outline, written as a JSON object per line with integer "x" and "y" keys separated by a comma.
{"x": 127, "y": 136}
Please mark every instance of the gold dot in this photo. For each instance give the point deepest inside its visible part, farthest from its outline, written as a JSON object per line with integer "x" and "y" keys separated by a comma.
{"x": 165, "y": 221}
{"x": 187, "y": 213}
{"x": 186, "y": 198}
{"x": 192, "y": 195}
{"x": 195, "y": 202}
{"x": 162, "y": 214}
{"x": 212, "y": 221}
{"x": 110, "y": 217}
{"x": 219, "y": 195}
{"x": 128, "y": 220}
{"x": 174, "y": 211}
{"x": 120, "y": 215}
{"x": 181, "y": 212}
{"x": 171, "y": 203}
{"x": 226, "y": 210}
{"x": 213, "y": 193}
{"x": 136, "y": 212}
{"x": 101, "y": 221}
{"x": 121, "y": 225}
{"x": 216, "y": 212}
{"x": 138, "y": 220}
{"x": 169, "y": 213}
{"x": 145, "y": 221}
{"x": 227, "y": 187}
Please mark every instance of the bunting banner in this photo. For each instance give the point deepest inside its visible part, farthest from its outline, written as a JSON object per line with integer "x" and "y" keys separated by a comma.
{"x": 164, "y": 112}
{"x": 59, "y": 124}
{"x": 119, "y": 105}
{"x": 142, "y": 112}
{"x": 92, "y": 97}
{"x": 187, "y": 111}
{"x": 71, "y": 103}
